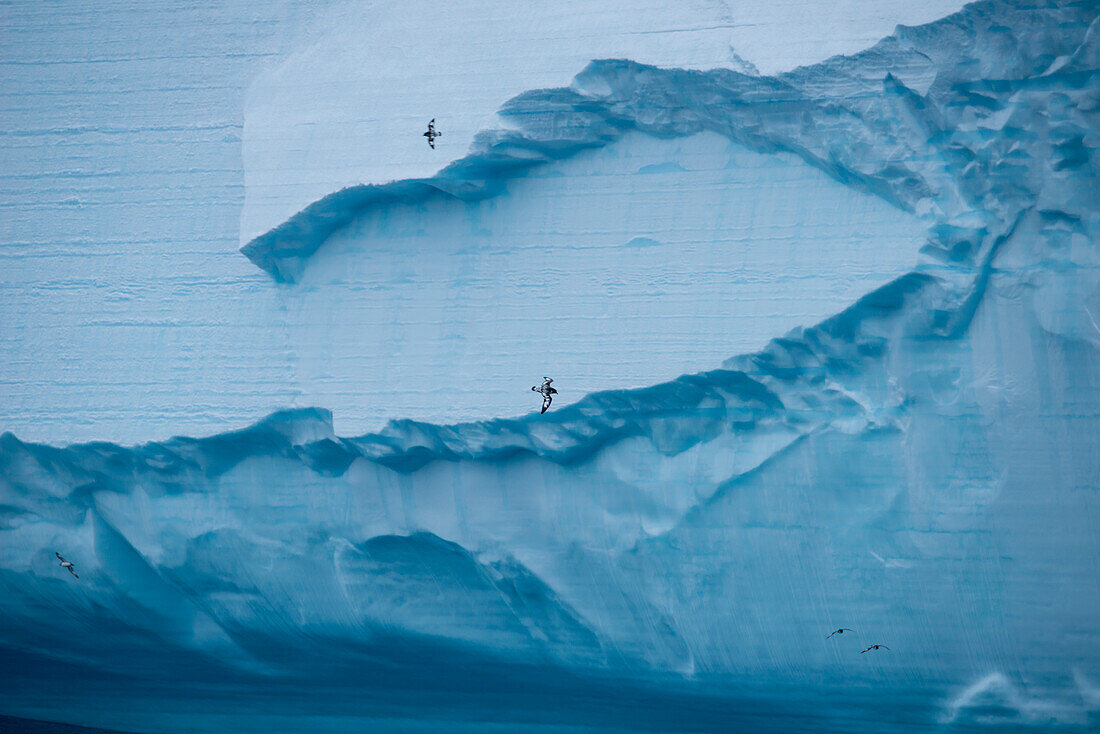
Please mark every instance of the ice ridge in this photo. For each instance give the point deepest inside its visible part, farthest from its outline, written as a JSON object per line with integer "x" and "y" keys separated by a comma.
{"x": 918, "y": 120}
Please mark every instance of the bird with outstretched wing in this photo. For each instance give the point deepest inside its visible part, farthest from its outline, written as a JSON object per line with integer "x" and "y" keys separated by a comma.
{"x": 65, "y": 564}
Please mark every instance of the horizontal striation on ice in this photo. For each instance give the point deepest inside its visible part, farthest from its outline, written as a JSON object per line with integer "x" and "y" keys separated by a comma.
{"x": 920, "y": 120}
{"x": 348, "y": 105}
{"x": 922, "y": 467}
{"x": 890, "y": 468}
{"x": 743, "y": 246}
{"x": 620, "y": 267}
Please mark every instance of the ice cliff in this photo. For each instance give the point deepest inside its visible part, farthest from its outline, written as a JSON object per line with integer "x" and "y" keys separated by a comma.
{"x": 127, "y": 313}
{"x": 905, "y": 120}
{"x": 922, "y": 466}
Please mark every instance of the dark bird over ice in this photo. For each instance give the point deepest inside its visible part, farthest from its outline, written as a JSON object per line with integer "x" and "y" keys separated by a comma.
{"x": 875, "y": 647}
{"x": 432, "y": 134}
{"x": 546, "y": 391}
{"x": 65, "y": 564}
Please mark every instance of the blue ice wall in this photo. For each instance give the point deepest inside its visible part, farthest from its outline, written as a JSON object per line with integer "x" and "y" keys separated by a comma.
{"x": 921, "y": 467}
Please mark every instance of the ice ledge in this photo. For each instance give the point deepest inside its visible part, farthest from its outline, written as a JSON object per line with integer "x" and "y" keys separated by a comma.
{"x": 786, "y": 384}
{"x": 913, "y": 120}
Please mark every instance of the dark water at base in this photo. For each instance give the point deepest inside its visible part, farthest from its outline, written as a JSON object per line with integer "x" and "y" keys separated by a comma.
{"x": 431, "y": 689}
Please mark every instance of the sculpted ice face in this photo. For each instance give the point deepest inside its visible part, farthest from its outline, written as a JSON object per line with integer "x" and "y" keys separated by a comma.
{"x": 917, "y": 471}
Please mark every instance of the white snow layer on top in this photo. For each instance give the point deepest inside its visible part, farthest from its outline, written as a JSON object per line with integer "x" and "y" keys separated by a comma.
{"x": 351, "y": 108}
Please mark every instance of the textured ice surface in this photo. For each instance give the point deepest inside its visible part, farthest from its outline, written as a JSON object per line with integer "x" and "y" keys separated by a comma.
{"x": 127, "y": 314}
{"x": 349, "y": 107}
{"x": 921, "y": 467}
{"x": 124, "y": 311}
{"x": 621, "y": 267}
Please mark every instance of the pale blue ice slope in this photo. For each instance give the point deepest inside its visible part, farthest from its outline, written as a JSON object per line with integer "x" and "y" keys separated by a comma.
{"x": 922, "y": 467}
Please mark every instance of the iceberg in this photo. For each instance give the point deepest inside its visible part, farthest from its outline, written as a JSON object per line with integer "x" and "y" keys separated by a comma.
{"x": 128, "y": 314}
{"x": 920, "y": 466}
{"x": 339, "y": 110}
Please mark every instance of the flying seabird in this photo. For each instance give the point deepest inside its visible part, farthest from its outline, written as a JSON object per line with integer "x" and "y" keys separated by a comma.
{"x": 840, "y": 631}
{"x": 546, "y": 391}
{"x": 65, "y": 564}
{"x": 875, "y": 647}
{"x": 432, "y": 134}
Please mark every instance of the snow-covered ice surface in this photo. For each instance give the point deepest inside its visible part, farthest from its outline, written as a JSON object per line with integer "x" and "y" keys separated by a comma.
{"x": 923, "y": 466}
{"x": 127, "y": 313}
{"x": 349, "y": 107}
{"x": 619, "y": 267}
